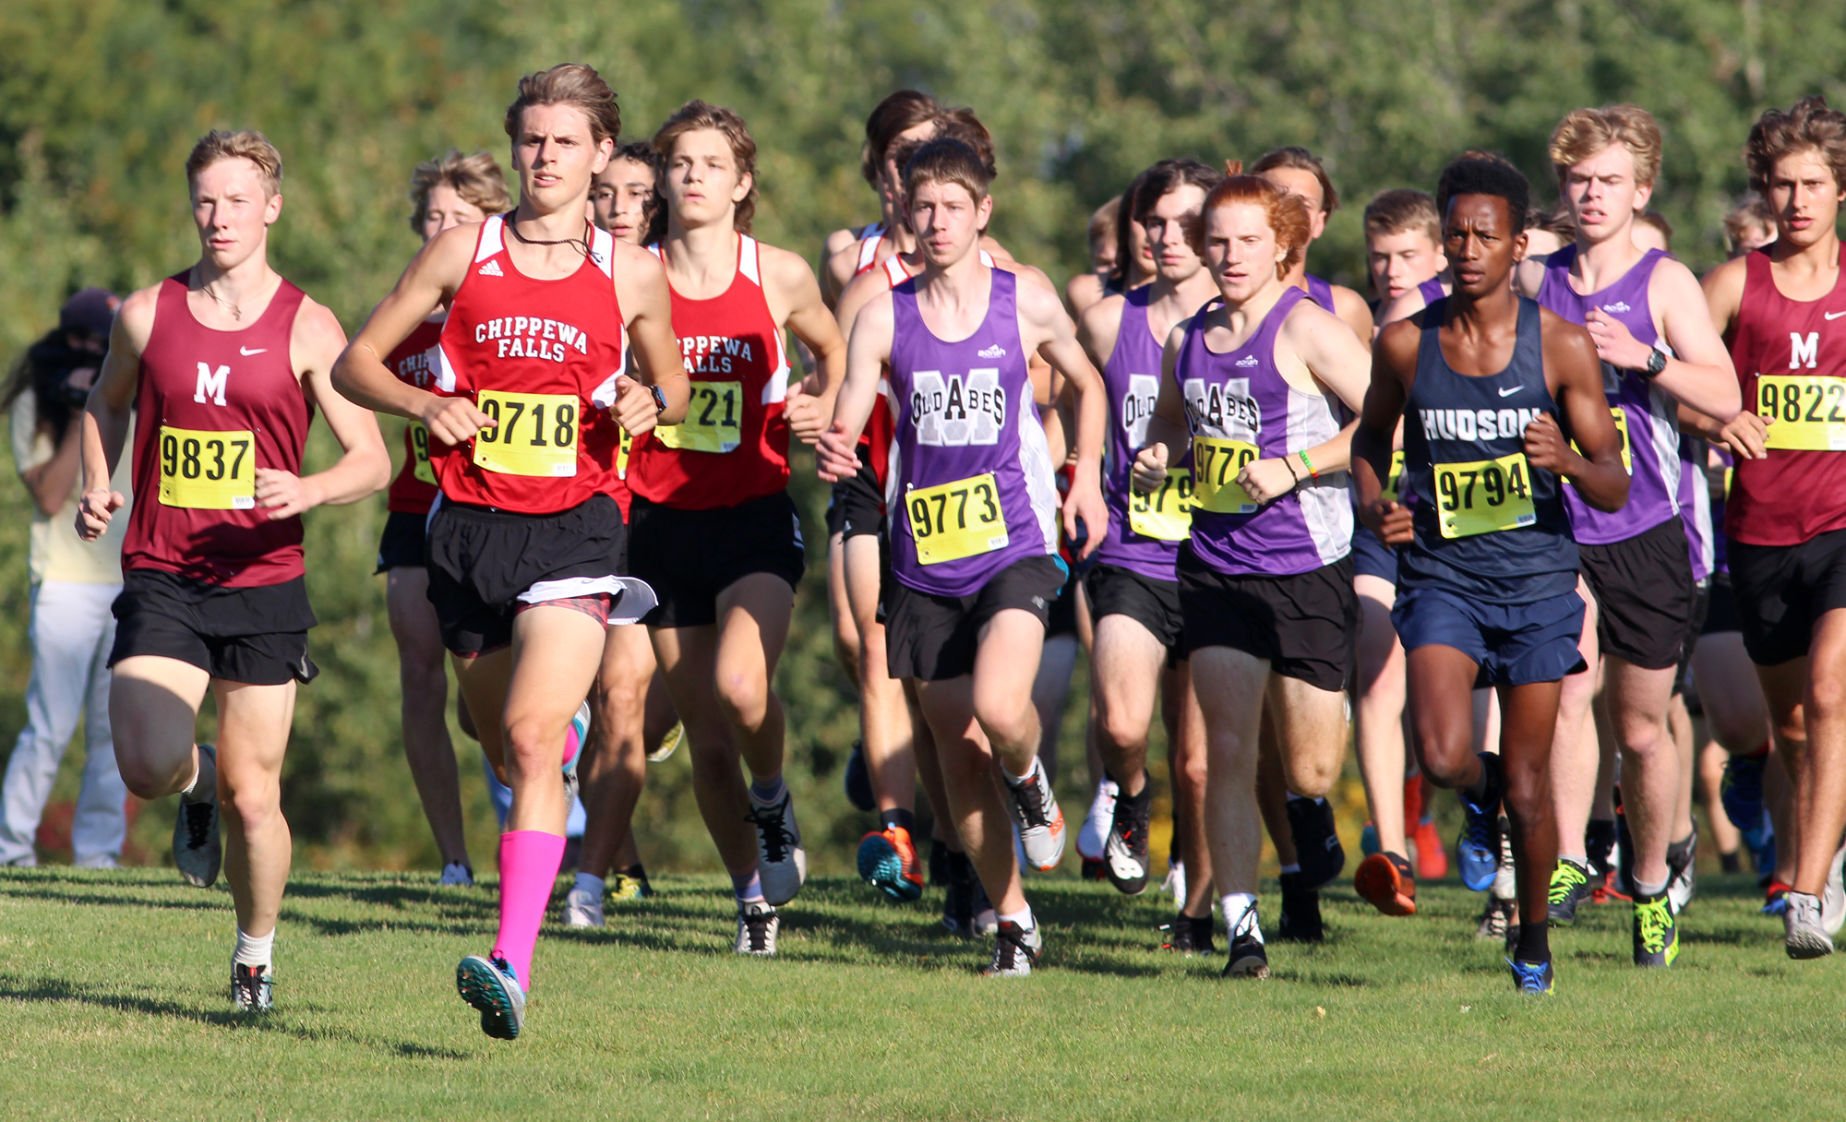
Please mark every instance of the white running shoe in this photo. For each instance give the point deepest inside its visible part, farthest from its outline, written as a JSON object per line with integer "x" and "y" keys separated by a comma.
{"x": 1094, "y": 837}
{"x": 780, "y": 861}
{"x": 1016, "y": 948}
{"x": 1176, "y": 884}
{"x": 757, "y": 926}
{"x": 1039, "y": 819}
{"x": 456, "y": 875}
{"x": 583, "y": 909}
{"x": 1833, "y": 897}
{"x": 668, "y": 745}
{"x": 1805, "y": 935}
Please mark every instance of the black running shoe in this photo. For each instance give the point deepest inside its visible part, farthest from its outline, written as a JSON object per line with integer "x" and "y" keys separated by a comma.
{"x": 1300, "y": 919}
{"x": 1249, "y": 957}
{"x": 1317, "y": 845}
{"x": 959, "y": 899}
{"x": 1189, "y": 935}
{"x": 858, "y": 780}
{"x": 1570, "y": 887}
{"x": 252, "y": 988}
{"x": 1125, "y": 854}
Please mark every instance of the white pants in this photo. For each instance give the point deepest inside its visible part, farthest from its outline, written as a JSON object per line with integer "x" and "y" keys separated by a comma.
{"x": 71, "y": 633}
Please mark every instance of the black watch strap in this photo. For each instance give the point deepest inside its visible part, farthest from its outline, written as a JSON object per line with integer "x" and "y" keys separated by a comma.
{"x": 660, "y": 399}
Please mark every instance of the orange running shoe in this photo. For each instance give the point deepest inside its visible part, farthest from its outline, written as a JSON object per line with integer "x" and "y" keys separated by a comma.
{"x": 888, "y": 862}
{"x": 1384, "y": 880}
{"x": 1432, "y": 855}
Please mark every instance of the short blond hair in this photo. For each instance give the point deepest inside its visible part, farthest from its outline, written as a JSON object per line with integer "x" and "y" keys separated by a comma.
{"x": 239, "y": 144}
{"x": 477, "y": 179}
{"x": 1584, "y": 132}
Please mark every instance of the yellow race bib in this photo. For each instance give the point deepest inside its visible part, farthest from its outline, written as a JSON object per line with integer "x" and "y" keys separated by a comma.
{"x": 622, "y": 448}
{"x": 1394, "y": 477}
{"x": 1215, "y": 465}
{"x": 1165, "y": 514}
{"x": 714, "y": 420}
{"x": 951, "y": 521}
{"x": 1484, "y": 496}
{"x": 419, "y": 452}
{"x": 1806, "y": 413}
{"x": 205, "y": 470}
{"x": 537, "y": 434}
{"x": 1620, "y": 417}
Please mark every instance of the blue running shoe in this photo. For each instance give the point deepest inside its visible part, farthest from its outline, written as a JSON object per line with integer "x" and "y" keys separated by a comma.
{"x": 1477, "y": 849}
{"x": 1533, "y": 977}
{"x": 491, "y": 987}
{"x": 1742, "y": 796}
{"x": 575, "y": 740}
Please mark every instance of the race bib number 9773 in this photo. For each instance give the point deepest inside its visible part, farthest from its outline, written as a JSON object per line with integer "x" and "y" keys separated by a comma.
{"x": 951, "y": 521}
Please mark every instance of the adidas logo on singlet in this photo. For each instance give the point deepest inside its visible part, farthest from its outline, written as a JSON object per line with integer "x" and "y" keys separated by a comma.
{"x": 1249, "y": 360}
{"x": 1617, "y": 308}
{"x": 491, "y": 269}
{"x": 992, "y": 350}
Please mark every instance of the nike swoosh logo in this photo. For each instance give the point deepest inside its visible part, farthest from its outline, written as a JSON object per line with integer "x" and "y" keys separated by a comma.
{"x": 1508, "y": 391}
{"x": 247, "y": 352}
{"x": 1831, "y": 316}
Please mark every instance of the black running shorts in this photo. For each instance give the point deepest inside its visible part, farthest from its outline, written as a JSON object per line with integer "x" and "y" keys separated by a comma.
{"x": 401, "y": 545}
{"x": 934, "y": 638}
{"x": 1783, "y": 590}
{"x": 254, "y": 636}
{"x": 1303, "y": 624}
{"x": 690, "y": 556}
{"x": 1644, "y": 595}
{"x": 1154, "y": 604}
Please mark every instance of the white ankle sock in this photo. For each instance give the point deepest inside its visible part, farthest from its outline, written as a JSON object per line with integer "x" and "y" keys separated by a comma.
{"x": 1023, "y": 919}
{"x": 1240, "y": 914}
{"x": 252, "y": 950}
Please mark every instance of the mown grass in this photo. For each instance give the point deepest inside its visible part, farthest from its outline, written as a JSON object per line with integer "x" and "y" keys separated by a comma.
{"x": 113, "y": 1005}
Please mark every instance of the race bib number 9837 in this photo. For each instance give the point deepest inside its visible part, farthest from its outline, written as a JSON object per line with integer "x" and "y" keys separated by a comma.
{"x": 205, "y": 470}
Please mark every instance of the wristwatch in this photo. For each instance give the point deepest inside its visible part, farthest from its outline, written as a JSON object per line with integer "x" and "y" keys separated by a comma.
{"x": 660, "y": 400}
{"x": 1656, "y": 362}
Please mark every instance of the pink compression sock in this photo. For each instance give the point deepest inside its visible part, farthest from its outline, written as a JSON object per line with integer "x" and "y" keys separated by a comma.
{"x": 529, "y": 861}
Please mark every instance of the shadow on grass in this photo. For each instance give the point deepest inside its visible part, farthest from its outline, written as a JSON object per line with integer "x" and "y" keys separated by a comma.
{"x": 207, "y": 900}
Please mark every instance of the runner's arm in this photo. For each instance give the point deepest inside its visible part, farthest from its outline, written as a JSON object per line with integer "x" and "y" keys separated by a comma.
{"x": 1169, "y": 437}
{"x": 641, "y": 289}
{"x": 364, "y": 466}
{"x": 106, "y": 414}
{"x": 1042, "y": 310}
{"x": 1575, "y": 377}
{"x": 867, "y": 352}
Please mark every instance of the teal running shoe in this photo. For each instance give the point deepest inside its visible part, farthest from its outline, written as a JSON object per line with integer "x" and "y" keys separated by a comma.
{"x": 490, "y": 986}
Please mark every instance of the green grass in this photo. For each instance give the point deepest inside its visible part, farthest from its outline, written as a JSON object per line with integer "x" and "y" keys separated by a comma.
{"x": 113, "y": 1004}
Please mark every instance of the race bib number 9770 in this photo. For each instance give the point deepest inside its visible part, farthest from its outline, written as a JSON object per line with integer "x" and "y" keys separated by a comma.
{"x": 1216, "y": 463}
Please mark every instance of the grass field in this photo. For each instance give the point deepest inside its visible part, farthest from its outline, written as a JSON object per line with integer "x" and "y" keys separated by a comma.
{"x": 113, "y": 1004}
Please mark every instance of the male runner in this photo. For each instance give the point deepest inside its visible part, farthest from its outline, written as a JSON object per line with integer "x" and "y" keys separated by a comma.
{"x": 525, "y": 543}
{"x": 1487, "y": 578}
{"x": 1654, "y": 336}
{"x": 716, "y": 533}
{"x": 1134, "y": 586}
{"x": 901, "y": 115}
{"x": 223, "y": 365}
{"x": 1265, "y": 583}
{"x": 974, "y": 542}
{"x": 1786, "y": 517}
{"x": 454, "y": 190}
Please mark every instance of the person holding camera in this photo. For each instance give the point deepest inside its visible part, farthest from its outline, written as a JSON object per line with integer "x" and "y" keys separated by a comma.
{"x": 73, "y": 584}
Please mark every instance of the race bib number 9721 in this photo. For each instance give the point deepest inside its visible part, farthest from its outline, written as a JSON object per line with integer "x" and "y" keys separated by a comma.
{"x": 714, "y": 420}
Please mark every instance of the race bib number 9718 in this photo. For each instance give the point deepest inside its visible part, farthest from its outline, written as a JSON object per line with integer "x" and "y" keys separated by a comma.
{"x": 536, "y": 434}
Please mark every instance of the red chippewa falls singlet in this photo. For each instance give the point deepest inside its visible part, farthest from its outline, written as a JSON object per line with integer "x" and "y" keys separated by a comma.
{"x": 733, "y": 445}
{"x": 212, "y": 407}
{"x": 414, "y": 362}
{"x": 1791, "y": 360}
{"x": 540, "y": 356}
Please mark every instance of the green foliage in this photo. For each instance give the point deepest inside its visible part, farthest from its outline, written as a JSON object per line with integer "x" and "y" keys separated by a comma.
{"x": 101, "y": 101}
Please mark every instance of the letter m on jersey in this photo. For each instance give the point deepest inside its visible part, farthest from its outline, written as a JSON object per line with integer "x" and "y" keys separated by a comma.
{"x": 1803, "y": 347}
{"x": 211, "y": 384}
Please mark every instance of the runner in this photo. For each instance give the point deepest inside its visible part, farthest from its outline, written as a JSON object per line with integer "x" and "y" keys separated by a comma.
{"x": 1403, "y": 249}
{"x": 1637, "y": 579}
{"x": 974, "y": 554}
{"x": 1134, "y": 586}
{"x": 1087, "y": 288}
{"x": 1265, "y": 583}
{"x": 223, "y": 365}
{"x": 525, "y": 541}
{"x": 1786, "y": 517}
{"x": 716, "y": 533}
{"x": 630, "y": 708}
{"x": 902, "y": 115}
{"x": 1749, "y": 225}
{"x": 1487, "y": 576}
{"x": 454, "y": 190}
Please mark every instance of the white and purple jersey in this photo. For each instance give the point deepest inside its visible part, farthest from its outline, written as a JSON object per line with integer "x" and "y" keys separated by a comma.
{"x": 1695, "y": 508}
{"x": 1131, "y": 379}
{"x": 1320, "y": 290}
{"x": 1240, "y": 408}
{"x": 974, "y": 490}
{"x": 1646, "y": 416}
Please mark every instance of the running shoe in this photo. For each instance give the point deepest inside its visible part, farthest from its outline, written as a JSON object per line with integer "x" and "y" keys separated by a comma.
{"x": 1189, "y": 935}
{"x": 490, "y": 986}
{"x": 1300, "y": 919}
{"x": 1094, "y": 837}
{"x": 1741, "y": 795}
{"x": 1249, "y": 956}
{"x": 1682, "y": 858}
{"x": 1477, "y": 849}
{"x": 1570, "y": 887}
{"x": 1125, "y": 851}
{"x": 940, "y": 856}
{"x": 1833, "y": 897}
{"x": 780, "y": 860}
{"x": 888, "y": 862}
{"x": 1496, "y": 919}
{"x": 252, "y": 988}
{"x": 1317, "y": 845}
{"x": 986, "y": 919}
{"x": 1384, "y": 880}
{"x": 575, "y": 739}
{"x": 1806, "y": 934}
{"x": 1176, "y": 882}
{"x": 1505, "y": 877}
{"x": 1092, "y": 870}
{"x": 456, "y": 875}
{"x": 858, "y": 780}
{"x": 1656, "y": 931}
{"x": 627, "y": 886}
{"x": 1432, "y": 855}
{"x": 1016, "y": 950}
{"x": 1368, "y": 840}
{"x": 1039, "y": 820}
{"x": 197, "y": 850}
{"x": 1775, "y": 898}
{"x": 583, "y": 908}
{"x": 757, "y": 927}
{"x": 958, "y": 899}
{"x": 1536, "y": 978}
{"x": 668, "y": 745}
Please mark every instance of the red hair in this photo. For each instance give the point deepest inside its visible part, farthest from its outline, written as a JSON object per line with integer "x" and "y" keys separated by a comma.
{"x": 1287, "y": 214}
